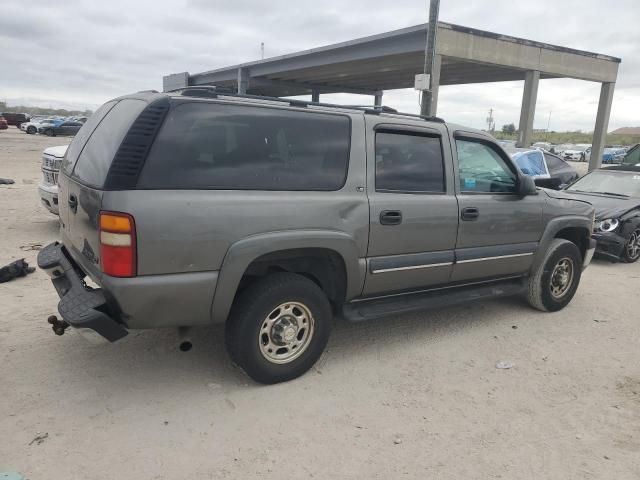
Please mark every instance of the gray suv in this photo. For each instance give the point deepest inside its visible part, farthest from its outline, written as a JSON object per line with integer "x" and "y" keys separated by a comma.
{"x": 274, "y": 216}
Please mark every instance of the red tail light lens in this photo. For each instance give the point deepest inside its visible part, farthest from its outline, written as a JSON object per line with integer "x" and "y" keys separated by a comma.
{"x": 117, "y": 244}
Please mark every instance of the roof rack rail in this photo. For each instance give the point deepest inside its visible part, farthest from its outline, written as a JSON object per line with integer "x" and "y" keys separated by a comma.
{"x": 212, "y": 91}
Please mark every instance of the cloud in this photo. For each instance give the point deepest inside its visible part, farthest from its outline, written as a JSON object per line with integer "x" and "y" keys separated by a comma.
{"x": 77, "y": 51}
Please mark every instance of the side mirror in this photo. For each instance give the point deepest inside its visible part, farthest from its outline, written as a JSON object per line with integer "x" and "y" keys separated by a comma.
{"x": 526, "y": 186}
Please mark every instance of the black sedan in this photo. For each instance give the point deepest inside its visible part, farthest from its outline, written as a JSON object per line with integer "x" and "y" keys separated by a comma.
{"x": 548, "y": 170}
{"x": 615, "y": 194}
{"x": 65, "y": 128}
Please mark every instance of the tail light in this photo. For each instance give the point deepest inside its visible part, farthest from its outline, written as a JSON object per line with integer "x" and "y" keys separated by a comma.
{"x": 117, "y": 244}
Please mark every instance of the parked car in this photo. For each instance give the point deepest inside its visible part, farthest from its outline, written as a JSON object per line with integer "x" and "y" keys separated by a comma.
{"x": 273, "y": 215}
{"x": 615, "y": 194}
{"x": 548, "y": 170}
{"x": 546, "y": 146}
{"x": 48, "y": 186}
{"x": 15, "y": 119}
{"x": 632, "y": 157}
{"x": 64, "y": 128}
{"x": 3, "y": 123}
{"x": 32, "y": 126}
{"x": 613, "y": 155}
{"x": 577, "y": 153}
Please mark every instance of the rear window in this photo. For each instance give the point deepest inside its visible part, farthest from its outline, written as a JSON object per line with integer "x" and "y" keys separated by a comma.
{"x": 215, "y": 146}
{"x": 96, "y": 156}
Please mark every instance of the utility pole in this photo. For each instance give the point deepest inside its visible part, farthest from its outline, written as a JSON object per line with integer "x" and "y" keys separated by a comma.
{"x": 262, "y": 50}
{"x": 491, "y": 124}
{"x": 546, "y": 137}
{"x": 430, "y": 50}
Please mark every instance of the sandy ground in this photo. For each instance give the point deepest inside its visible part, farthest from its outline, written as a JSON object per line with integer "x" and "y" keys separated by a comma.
{"x": 412, "y": 397}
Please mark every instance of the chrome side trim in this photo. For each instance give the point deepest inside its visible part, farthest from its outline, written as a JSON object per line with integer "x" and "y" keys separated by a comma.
{"x": 499, "y": 257}
{"x": 412, "y": 267}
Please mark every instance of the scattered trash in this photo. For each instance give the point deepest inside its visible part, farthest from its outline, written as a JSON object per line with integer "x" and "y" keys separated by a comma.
{"x": 545, "y": 358}
{"x": 39, "y": 438}
{"x": 31, "y": 246}
{"x": 397, "y": 441}
{"x": 606, "y": 458}
{"x": 166, "y": 423}
{"x": 504, "y": 365}
{"x": 16, "y": 269}
{"x": 515, "y": 327}
{"x": 600, "y": 321}
{"x": 6, "y": 181}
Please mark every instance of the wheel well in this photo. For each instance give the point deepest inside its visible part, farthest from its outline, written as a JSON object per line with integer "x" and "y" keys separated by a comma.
{"x": 577, "y": 235}
{"x": 323, "y": 266}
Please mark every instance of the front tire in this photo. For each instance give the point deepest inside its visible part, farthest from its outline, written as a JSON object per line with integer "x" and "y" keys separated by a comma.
{"x": 631, "y": 251}
{"x": 555, "y": 281}
{"x": 31, "y": 130}
{"x": 278, "y": 327}
{"x": 49, "y": 133}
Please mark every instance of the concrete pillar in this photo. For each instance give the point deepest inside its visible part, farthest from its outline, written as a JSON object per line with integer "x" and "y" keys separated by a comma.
{"x": 243, "y": 81}
{"x": 528, "y": 111}
{"x": 602, "y": 124}
{"x": 315, "y": 96}
{"x": 435, "y": 84}
{"x": 377, "y": 99}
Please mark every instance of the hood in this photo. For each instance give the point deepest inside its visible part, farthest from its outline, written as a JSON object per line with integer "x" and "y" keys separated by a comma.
{"x": 607, "y": 206}
{"x": 57, "y": 152}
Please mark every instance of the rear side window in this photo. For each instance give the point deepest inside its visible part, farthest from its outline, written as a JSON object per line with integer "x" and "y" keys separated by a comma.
{"x": 214, "y": 146}
{"x": 408, "y": 163}
{"x": 96, "y": 157}
{"x": 79, "y": 141}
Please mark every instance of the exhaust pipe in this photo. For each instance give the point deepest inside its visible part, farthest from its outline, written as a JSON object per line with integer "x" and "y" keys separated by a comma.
{"x": 184, "y": 333}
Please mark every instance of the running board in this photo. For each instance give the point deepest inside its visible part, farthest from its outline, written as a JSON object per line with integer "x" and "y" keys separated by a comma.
{"x": 370, "y": 309}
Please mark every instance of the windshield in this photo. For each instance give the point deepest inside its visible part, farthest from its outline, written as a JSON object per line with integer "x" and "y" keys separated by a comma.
{"x": 625, "y": 184}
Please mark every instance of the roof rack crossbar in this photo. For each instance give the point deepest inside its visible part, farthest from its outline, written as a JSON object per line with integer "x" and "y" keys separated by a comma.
{"x": 215, "y": 92}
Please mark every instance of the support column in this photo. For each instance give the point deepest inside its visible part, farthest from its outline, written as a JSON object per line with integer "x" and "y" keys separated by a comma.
{"x": 315, "y": 96}
{"x": 435, "y": 84}
{"x": 377, "y": 99}
{"x": 602, "y": 124}
{"x": 528, "y": 111}
{"x": 243, "y": 81}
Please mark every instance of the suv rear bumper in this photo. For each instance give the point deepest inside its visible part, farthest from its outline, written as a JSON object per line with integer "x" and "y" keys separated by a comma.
{"x": 81, "y": 307}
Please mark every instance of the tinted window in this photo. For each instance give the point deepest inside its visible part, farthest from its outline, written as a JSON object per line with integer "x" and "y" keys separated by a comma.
{"x": 482, "y": 169}
{"x": 214, "y": 146}
{"x": 94, "y": 161}
{"x": 82, "y": 136}
{"x": 554, "y": 163}
{"x": 633, "y": 156}
{"x": 408, "y": 163}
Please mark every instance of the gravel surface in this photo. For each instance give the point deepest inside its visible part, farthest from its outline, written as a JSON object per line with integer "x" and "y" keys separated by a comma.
{"x": 417, "y": 396}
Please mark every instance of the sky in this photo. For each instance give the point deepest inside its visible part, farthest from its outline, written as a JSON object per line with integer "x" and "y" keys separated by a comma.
{"x": 79, "y": 53}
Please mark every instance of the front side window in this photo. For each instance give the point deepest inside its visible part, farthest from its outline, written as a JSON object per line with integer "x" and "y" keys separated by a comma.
{"x": 216, "y": 146}
{"x": 409, "y": 163}
{"x": 482, "y": 169}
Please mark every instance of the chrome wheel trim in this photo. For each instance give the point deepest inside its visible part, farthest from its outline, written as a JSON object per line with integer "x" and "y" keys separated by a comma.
{"x": 561, "y": 278}
{"x": 633, "y": 245}
{"x": 286, "y": 332}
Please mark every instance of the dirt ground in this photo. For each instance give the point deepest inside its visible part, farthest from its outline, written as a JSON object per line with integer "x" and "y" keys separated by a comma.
{"x": 417, "y": 396}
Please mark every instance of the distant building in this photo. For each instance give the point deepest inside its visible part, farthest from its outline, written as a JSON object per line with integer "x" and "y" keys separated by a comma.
{"x": 626, "y": 131}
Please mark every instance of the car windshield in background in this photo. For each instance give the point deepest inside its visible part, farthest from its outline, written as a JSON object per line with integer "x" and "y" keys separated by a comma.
{"x": 532, "y": 163}
{"x": 619, "y": 183}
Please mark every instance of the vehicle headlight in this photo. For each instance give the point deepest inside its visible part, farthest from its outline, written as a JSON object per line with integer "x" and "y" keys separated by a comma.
{"x": 608, "y": 225}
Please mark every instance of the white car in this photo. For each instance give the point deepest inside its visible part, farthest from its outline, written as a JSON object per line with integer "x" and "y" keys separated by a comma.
{"x": 48, "y": 186}
{"x": 578, "y": 153}
{"x": 31, "y": 127}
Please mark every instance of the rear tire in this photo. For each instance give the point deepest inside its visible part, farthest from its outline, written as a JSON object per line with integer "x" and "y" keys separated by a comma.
{"x": 555, "y": 281}
{"x": 49, "y": 133}
{"x": 31, "y": 130}
{"x": 278, "y": 327}
{"x": 631, "y": 250}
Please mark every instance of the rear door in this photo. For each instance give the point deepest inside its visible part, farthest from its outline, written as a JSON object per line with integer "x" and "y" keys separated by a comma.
{"x": 88, "y": 160}
{"x": 499, "y": 230}
{"x": 413, "y": 209}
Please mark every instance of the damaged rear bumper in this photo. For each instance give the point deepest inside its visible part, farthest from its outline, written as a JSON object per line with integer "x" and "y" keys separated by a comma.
{"x": 83, "y": 308}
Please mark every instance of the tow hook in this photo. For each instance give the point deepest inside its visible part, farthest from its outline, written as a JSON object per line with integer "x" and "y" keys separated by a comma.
{"x": 58, "y": 326}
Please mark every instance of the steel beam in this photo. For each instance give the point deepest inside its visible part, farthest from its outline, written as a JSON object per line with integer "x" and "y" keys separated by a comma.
{"x": 310, "y": 87}
{"x": 602, "y": 124}
{"x": 527, "y": 113}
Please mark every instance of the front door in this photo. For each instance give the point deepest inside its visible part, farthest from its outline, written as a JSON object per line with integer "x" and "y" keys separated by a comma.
{"x": 499, "y": 230}
{"x": 413, "y": 208}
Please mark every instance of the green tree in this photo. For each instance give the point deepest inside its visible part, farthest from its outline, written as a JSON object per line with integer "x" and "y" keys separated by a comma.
{"x": 509, "y": 129}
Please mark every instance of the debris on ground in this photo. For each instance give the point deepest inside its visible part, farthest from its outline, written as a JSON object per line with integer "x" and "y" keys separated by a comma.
{"x": 31, "y": 246}
{"x": 39, "y": 438}
{"x": 397, "y": 441}
{"x": 504, "y": 365}
{"x": 6, "y": 181}
{"x": 16, "y": 269}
